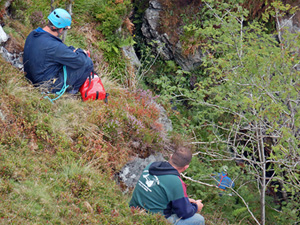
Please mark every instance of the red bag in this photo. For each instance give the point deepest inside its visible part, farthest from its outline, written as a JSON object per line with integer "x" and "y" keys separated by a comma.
{"x": 93, "y": 89}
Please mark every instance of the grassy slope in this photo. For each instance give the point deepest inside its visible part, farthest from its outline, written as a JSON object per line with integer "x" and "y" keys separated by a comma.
{"x": 57, "y": 160}
{"x": 55, "y": 166}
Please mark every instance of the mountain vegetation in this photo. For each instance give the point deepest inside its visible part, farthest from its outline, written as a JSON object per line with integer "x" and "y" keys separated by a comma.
{"x": 239, "y": 108}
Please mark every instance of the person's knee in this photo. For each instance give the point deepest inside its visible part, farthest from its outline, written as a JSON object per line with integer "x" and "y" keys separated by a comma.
{"x": 200, "y": 219}
{"x": 197, "y": 219}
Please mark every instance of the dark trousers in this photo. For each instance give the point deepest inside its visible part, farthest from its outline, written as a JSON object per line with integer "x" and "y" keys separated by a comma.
{"x": 75, "y": 78}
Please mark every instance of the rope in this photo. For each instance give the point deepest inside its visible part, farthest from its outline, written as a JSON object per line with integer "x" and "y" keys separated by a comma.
{"x": 63, "y": 89}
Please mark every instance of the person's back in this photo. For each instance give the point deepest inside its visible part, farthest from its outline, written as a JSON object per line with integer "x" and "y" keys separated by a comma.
{"x": 224, "y": 181}
{"x": 158, "y": 188}
{"x": 41, "y": 60}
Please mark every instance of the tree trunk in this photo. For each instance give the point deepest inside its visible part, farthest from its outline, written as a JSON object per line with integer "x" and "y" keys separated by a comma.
{"x": 262, "y": 159}
{"x": 52, "y": 7}
{"x": 69, "y": 9}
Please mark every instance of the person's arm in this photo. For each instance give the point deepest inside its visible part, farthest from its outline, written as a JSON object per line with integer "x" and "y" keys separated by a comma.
{"x": 184, "y": 208}
{"x": 66, "y": 56}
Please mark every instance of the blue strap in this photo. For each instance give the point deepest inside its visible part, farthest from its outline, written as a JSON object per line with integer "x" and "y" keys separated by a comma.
{"x": 63, "y": 89}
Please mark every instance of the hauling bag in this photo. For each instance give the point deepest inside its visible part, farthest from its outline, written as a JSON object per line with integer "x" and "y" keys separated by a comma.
{"x": 93, "y": 88}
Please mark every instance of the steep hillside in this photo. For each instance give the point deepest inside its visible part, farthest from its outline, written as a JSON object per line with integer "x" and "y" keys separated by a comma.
{"x": 57, "y": 161}
{"x": 236, "y": 102}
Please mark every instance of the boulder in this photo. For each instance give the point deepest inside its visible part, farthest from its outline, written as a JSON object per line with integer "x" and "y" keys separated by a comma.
{"x": 132, "y": 171}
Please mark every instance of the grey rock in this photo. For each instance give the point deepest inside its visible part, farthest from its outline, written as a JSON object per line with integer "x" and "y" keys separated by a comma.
{"x": 132, "y": 171}
{"x": 167, "y": 50}
{"x": 2, "y": 116}
{"x": 8, "y": 3}
{"x": 130, "y": 54}
{"x": 14, "y": 58}
{"x": 154, "y": 4}
{"x": 163, "y": 118}
{"x": 150, "y": 23}
{"x": 3, "y": 36}
{"x": 173, "y": 51}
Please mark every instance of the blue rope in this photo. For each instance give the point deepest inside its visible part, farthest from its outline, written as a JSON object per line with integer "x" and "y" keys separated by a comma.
{"x": 63, "y": 89}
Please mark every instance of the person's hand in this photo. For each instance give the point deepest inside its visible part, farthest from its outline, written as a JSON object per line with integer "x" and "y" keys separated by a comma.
{"x": 192, "y": 200}
{"x": 200, "y": 205}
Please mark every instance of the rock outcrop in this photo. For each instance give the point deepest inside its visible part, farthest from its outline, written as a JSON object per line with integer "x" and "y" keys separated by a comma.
{"x": 10, "y": 50}
{"x": 132, "y": 171}
{"x": 167, "y": 49}
{"x": 173, "y": 51}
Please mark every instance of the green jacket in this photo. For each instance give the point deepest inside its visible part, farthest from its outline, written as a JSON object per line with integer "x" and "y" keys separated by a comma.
{"x": 161, "y": 190}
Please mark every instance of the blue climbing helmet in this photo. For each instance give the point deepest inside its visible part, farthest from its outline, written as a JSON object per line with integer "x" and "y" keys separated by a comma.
{"x": 60, "y": 18}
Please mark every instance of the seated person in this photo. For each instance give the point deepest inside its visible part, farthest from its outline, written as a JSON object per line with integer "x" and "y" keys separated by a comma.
{"x": 46, "y": 56}
{"x": 161, "y": 190}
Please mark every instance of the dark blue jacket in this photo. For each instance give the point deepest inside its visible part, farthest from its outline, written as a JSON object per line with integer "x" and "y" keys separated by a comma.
{"x": 161, "y": 190}
{"x": 45, "y": 55}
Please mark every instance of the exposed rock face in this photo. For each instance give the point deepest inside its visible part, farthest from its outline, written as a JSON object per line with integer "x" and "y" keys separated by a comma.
{"x": 10, "y": 50}
{"x": 132, "y": 171}
{"x": 292, "y": 24}
{"x": 173, "y": 51}
{"x": 163, "y": 118}
{"x": 292, "y": 21}
{"x": 168, "y": 50}
{"x": 130, "y": 54}
{"x": 2, "y": 116}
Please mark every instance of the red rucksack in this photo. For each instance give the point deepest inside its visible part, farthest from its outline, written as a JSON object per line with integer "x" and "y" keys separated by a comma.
{"x": 93, "y": 88}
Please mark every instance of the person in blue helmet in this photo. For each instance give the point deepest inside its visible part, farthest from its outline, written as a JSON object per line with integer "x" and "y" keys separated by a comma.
{"x": 51, "y": 64}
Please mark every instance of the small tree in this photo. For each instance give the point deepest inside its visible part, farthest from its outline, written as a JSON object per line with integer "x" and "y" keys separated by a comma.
{"x": 248, "y": 101}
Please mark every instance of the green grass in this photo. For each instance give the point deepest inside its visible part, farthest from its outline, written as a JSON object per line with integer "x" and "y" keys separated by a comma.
{"x": 41, "y": 188}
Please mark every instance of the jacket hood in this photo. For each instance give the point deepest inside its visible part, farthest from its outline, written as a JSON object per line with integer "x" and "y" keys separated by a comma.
{"x": 39, "y": 31}
{"x": 162, "y": 168}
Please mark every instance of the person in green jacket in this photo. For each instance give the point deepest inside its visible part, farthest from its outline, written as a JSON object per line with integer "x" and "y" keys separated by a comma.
{"x": 161, "y": 190}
